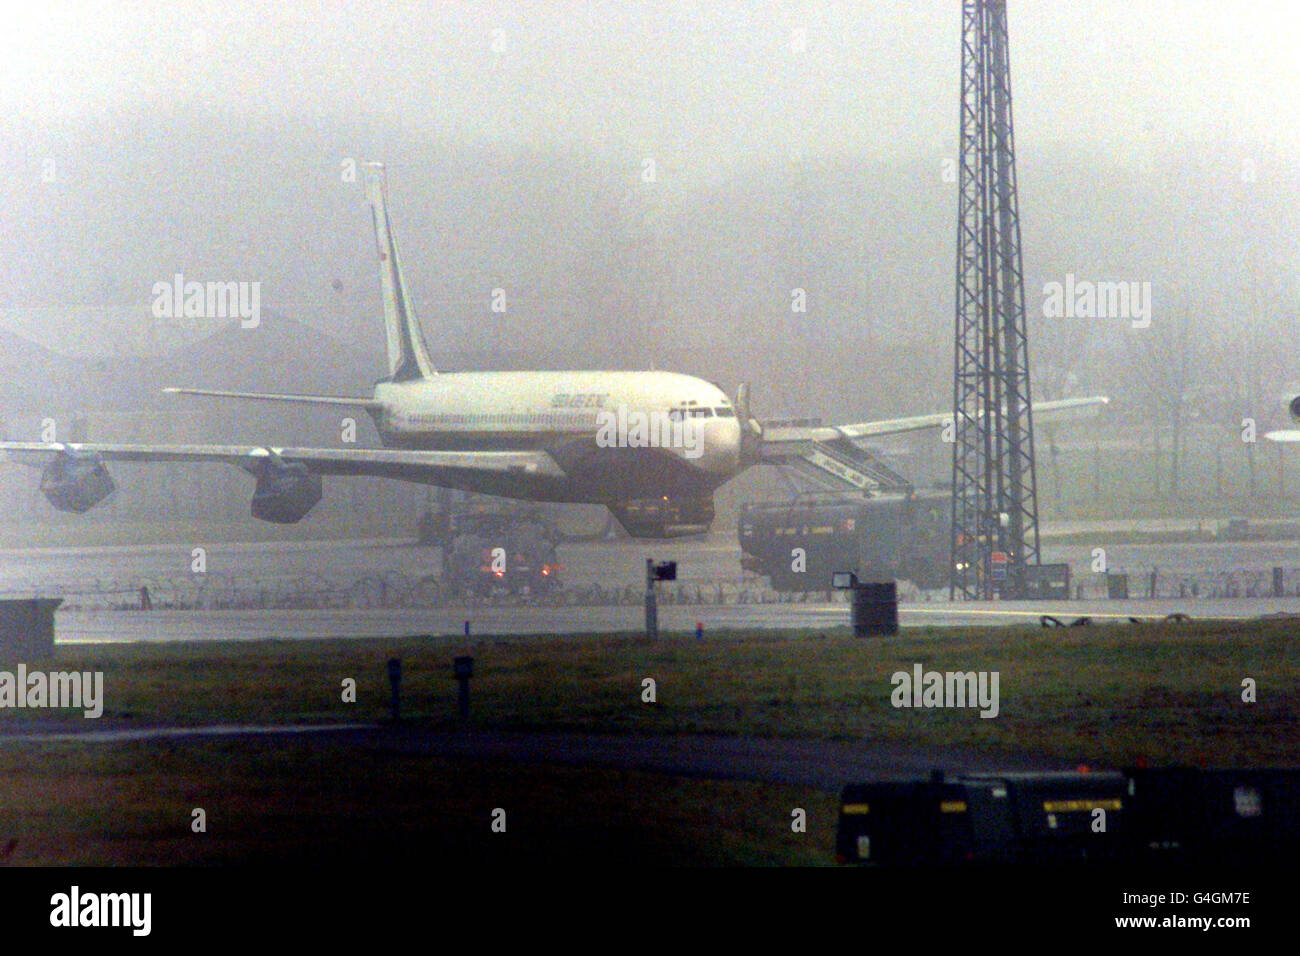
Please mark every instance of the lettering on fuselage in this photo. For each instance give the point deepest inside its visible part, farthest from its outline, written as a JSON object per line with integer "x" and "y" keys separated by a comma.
{"x": 633, "y": 428}
{"x": 579, "y": 399}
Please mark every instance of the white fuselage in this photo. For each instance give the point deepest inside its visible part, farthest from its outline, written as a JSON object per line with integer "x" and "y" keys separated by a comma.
{"x": 601, "y": 427}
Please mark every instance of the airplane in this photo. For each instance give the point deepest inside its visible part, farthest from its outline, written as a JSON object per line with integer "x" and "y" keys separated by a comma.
{"x": 1288, "y": 435}
{"x": 538, "y": 436}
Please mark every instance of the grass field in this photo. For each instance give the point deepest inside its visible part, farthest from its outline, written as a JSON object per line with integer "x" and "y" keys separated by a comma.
{"x": 1108, "y": 695}
{"x": 306, "y": 803}
{"x": 1114, "y": 693}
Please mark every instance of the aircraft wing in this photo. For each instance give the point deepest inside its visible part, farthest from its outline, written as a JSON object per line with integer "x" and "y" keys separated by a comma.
{"x": 381, "y": 462}
{"x": 75, "y": 477}
{"x": 369, "y": 404}
{"x": 1065, "y": 409}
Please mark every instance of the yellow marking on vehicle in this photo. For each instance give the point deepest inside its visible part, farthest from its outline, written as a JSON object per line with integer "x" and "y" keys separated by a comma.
{"x": 1077, "y": 806}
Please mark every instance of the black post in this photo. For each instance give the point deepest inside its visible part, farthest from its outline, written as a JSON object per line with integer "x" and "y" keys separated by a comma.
{"x": 651, "y": 603}
{"x": 395, "y": 682}
{"x": 464, "y": 668}
{"x": 875, "y": 608}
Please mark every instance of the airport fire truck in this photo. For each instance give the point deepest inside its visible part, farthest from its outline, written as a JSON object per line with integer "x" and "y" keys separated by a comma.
{"x": 797, "y": 544}
{"x": 489, "y": 549}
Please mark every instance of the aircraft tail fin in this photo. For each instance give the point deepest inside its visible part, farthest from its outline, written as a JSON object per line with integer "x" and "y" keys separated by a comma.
{"x": 407, "y": 358}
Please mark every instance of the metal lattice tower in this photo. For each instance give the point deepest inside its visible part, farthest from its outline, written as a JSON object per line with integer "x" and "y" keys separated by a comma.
{"x": 994, "y": 490}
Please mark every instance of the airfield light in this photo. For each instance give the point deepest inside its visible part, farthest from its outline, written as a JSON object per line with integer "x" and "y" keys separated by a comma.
{"x": 844, "y": 580}
{"x": 654, "y": 573}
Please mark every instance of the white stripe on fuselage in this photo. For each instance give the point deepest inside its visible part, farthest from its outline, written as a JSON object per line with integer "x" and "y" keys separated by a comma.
{"x": 530, "y": 408}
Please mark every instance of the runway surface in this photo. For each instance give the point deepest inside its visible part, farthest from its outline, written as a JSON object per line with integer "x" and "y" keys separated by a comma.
{"x": 118, "y": 572}
{"x": 824, "y": 764}
{"x": 75, "y": 627}
{"x": 612, "y": 563}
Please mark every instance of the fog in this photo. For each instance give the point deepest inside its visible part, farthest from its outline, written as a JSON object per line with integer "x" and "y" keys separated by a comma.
{"x": 792, "y": 146}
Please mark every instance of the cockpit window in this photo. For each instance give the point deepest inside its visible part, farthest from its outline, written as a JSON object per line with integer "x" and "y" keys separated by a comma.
{"x": 725, "y": 413}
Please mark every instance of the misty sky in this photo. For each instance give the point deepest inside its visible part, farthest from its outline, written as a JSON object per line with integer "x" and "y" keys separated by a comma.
{"x": 1156, "y": 141}
{"x": 700, "y": 84}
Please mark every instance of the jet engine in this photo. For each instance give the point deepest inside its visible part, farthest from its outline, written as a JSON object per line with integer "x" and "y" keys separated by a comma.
{"x": 1293, "y": 408}
{"x": 285, "y": 492}
{"x": 76, "y": 481}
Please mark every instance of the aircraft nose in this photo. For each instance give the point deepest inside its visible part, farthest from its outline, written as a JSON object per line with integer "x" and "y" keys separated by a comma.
{"x": 721, "y": 445}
